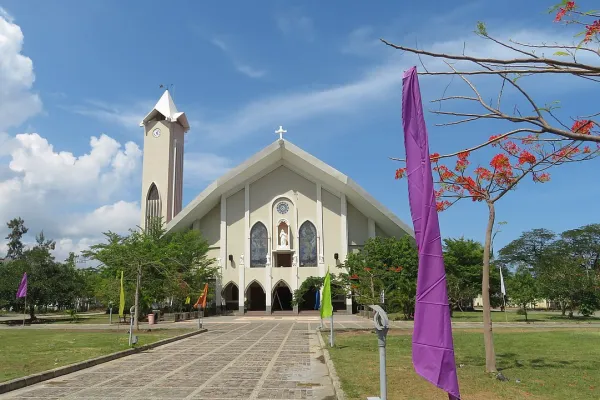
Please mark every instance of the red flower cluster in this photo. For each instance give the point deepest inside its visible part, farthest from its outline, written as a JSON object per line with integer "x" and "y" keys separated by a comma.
{"x": 483, "y": 173}
{"x": 543, "y": 177}
{"x": 367, "y": 269}
{"x": 565, "y": 153}
{"x": 492, "y": 138}
{"x": 354, "y": 277}
{"x": 563, "y": 10}
{"x": 583, "y": 126}
{"x": 442, "y": 205}
{"x": 462, "y": 162}
{"x": 400, "y": 173}
{"x": 591, "y": 31}
{"x": 526, "y": 157}
{"x": 471, "y": 186}
{"x": 434, "y": 157}
{"x": 511, "y": 148}
{"x": 500, "y": 162}
{"x": 444, "y": 172}
{"x": 397, "y": 269}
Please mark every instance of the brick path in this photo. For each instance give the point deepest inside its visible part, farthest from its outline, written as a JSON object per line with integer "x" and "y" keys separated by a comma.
{"x": 248, "y": 360}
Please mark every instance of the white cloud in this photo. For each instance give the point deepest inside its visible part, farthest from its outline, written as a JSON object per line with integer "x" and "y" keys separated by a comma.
{"x": 127, "y": 116}
{"x": 243, "y": 68}
{"x": 16, "y": 76}
{"x": 118, "y": 217}
{"x": 204, "y": 167}
{"x": 55, "y": 191}
{"x": 362, "y": 42}
{"x": 377, "y": 84}
{"x": 293, "y": 22}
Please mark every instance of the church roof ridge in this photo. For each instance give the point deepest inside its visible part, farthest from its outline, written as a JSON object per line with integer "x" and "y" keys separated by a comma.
{"x": 282, "y": 152}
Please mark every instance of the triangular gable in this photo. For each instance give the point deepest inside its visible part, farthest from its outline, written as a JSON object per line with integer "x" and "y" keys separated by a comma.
{"x": 282, "y": 152}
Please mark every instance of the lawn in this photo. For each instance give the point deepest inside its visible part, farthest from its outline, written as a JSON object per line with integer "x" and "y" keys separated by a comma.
{"x": 25, "y": 352}
{"x": 555, "y": 364}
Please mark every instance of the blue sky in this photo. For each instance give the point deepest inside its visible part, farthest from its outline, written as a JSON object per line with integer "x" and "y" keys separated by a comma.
{"x": 238, "y": 73}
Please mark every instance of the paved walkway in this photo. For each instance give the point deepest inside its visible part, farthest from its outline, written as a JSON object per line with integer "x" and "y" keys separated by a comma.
{"x": 253, "y": 360}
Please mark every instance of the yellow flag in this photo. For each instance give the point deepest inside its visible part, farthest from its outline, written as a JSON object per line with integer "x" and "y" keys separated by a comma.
{"x": 187, "y": 300}
{"x": 326, "y": 305}
{"x": 122, "y": 299}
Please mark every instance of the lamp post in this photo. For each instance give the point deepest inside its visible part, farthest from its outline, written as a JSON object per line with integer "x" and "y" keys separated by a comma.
{"x": 381, "y": 321}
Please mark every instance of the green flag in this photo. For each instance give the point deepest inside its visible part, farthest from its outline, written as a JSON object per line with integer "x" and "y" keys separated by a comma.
{"x": 122, "y": 298}
{"x": 326, "y": 306}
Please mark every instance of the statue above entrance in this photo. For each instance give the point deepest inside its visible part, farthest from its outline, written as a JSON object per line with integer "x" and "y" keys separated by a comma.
{"x": 283, "y": 242}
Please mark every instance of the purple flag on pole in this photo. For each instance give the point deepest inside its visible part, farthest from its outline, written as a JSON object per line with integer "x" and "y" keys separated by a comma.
{"x": 22, "y": 291}
{"x": 432, "y": 347}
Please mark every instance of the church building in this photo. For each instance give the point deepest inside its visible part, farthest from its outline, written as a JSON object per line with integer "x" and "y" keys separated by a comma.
{"x": 278, "y": 218}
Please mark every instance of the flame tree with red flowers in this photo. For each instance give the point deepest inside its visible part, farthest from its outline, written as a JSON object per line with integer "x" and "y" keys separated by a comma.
{"x": 529, "y": 157}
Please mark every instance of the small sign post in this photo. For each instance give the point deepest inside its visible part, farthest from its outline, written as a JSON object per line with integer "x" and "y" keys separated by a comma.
{"x": 382, "y": 326}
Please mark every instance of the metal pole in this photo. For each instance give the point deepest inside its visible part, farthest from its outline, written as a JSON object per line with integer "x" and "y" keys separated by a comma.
{"x": 382, "y": 364}
{"x": 24, "y": 310}
{"x": 131, "y": 318}
{"x": 331, "y": 335}
{"x": 110, "y": 314}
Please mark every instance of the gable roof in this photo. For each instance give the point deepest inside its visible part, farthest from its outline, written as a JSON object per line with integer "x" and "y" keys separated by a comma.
{"x": 284, "y": 153}
{"x": 166, "y": 107}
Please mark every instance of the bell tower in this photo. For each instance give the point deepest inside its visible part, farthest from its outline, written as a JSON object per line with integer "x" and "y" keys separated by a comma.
{"x": 162, "y": 166}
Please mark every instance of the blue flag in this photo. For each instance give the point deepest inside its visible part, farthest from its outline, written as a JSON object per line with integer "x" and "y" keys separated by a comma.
{"x": 317, "y": 300}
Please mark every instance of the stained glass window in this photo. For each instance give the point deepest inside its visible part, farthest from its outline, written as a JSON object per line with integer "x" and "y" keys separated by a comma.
{"x": 258, "y": 245}
{"x": 308, "y": 245}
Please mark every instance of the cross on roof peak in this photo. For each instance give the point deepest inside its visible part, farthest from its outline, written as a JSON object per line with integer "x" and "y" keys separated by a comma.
{"x": 280, "y": 131}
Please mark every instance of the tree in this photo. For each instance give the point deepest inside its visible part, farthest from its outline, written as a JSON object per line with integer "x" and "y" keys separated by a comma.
{"x": 528, "y": 249}
{"x": 508, "y": 167}
{"x": 584, "y": 244}
{"x": 560, "y": 277}
{"x": 15, "y": 243}
{"x": 522, "y": 288}
{"x": 169, "y": 262}
{"x": 564, "y": 265}
{"x": 389, "y": 265}
{"x": 463, "y": 260}
{"x": 543, "y": 122}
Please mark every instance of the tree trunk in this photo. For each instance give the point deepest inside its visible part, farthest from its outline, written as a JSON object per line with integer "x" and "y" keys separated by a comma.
{"x": 488, "y": 339}
{"x": 563, "y": 307}
{"x": 137, "y": 298}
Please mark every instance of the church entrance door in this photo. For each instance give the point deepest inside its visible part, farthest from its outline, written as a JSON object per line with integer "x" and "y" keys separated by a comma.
{"x": 282, "y": 298}
{"x": 309, "y": 300}
{"x": 256, "y": 297}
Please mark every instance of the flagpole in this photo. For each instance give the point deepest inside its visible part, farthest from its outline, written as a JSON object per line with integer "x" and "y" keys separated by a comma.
{"x": 25, "y": 310}
{"x": 331, "y": 336}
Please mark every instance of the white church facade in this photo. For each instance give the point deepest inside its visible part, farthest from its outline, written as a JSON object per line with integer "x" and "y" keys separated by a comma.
{"x": 273, "y": 221}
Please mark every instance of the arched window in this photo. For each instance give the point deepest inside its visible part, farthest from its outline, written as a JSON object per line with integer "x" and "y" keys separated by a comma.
{"x": 308, "y": 245}
{"x": 259, "y": 246}
{"x": 153, "y": 206}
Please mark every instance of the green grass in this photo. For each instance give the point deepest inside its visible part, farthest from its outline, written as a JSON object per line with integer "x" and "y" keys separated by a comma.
{"x": 512, "y": 316}
{"x": 25, "y": 352}
{"x": 556, "y": 364}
